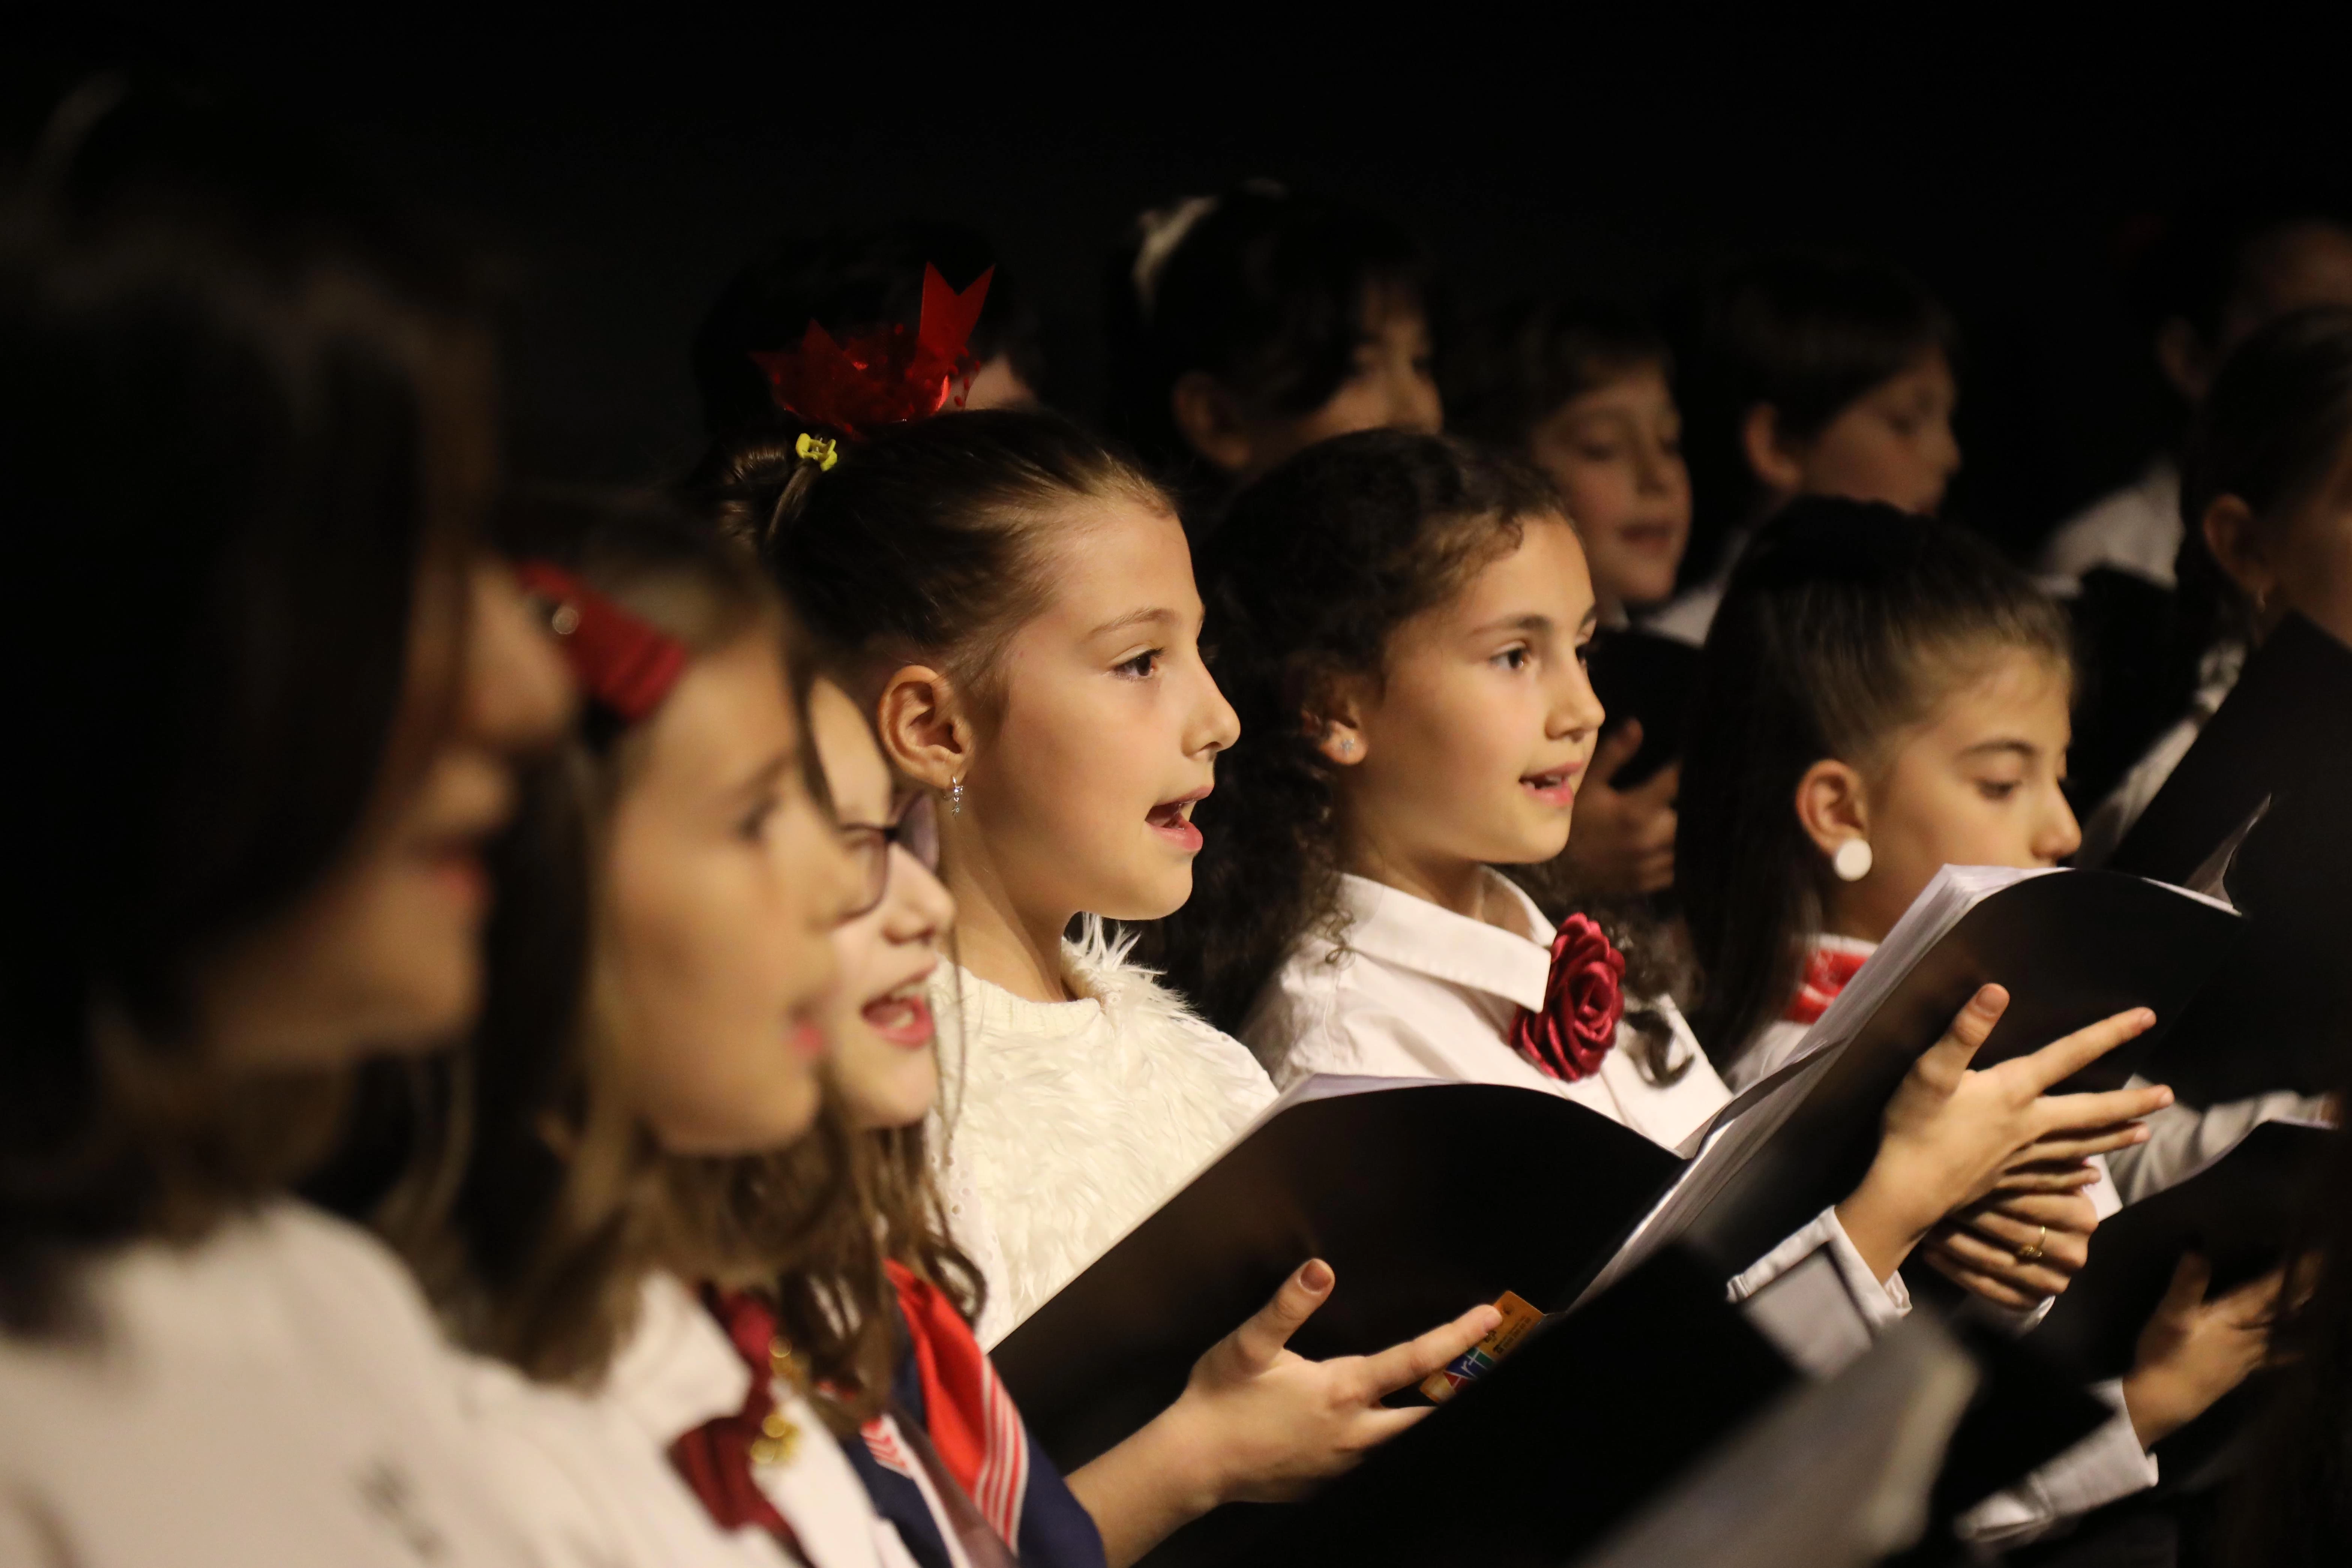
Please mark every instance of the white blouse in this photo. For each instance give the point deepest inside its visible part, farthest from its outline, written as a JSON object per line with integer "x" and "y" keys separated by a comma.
{"x": 591, "y": 1470}
{"x": 1065, "y": 1124}
{"x": 1418, "y": 991}
{"x": 277, "y": 1393}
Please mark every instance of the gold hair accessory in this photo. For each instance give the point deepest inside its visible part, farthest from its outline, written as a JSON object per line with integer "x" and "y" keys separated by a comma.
{"x": 818, "y": 449}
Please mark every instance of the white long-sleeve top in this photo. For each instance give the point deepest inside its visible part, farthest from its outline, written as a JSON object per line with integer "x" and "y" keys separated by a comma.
{"x": 276, "y": 1393}
{"x": 1065, "y": 1124}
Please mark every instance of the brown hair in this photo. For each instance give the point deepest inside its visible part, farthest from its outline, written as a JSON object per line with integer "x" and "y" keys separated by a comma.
{"x": 928, "y": 539}
{"x": 245, "y": 442}
{"x": 541, "y": 1205}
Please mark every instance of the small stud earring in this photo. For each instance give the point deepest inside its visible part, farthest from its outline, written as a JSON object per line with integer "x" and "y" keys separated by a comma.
{"x": 1346, "y": 745}
{"x": 955, "y": 798}
{"x": 1853, "y": 860}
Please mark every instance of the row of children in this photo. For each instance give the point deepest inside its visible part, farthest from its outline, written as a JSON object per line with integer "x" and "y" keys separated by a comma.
{"x": 575, "y": 926}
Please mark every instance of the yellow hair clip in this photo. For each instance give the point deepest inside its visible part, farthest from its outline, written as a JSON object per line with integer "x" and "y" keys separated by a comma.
{"x": 818, "y": 449}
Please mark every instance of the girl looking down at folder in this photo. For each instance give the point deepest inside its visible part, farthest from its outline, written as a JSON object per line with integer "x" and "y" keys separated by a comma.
{"x": 1400, "y": 621}
{"x": 1882, "y": 695}
{"x": 1015, "y": 610}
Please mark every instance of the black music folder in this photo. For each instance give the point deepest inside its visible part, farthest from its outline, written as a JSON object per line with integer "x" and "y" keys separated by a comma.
{"x": 2072, "y": 947}
{"x": 2243, "y": 1213}
{"x": 1425, "y": 1197}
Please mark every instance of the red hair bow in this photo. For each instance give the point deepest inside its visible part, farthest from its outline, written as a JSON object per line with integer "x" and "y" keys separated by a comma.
{"x": 1584, "y": 996}
{"x": 883, "y": 377}
{"x": 622, "y": 663}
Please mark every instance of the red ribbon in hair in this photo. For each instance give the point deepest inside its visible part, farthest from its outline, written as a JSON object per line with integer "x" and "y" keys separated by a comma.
{"x": 621, "y": 662}
{"x": 885, "y": 377}
{"x": 1584, "y": 996}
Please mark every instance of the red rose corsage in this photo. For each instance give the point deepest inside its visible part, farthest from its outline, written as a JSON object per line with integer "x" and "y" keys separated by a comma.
{"x": 1584, "y": 996}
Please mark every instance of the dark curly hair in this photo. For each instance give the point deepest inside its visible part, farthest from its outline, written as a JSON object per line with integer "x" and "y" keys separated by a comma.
{"x": 1317, "y": 566}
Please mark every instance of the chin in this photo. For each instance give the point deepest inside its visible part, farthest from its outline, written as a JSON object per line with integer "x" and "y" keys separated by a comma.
{"x": 426, "y": 1009}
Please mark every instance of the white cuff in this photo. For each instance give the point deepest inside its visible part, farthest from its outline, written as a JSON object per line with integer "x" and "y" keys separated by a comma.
{"x": 2107, "y": 1465}
{"x": 1884, "y": 1303}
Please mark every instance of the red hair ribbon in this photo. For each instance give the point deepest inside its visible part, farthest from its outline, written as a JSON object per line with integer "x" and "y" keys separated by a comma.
{"x": 624, "y": 664}
{"x": 883, "y": 377}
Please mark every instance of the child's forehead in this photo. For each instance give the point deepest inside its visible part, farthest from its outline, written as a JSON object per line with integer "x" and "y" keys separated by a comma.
{"x": 1541, "y": 573}
{"x": 1113, "y": 558}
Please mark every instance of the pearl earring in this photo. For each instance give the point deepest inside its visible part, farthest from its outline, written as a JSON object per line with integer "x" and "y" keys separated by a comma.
{"x": 1853, "y": 860}
{"x": 955, "y": 797}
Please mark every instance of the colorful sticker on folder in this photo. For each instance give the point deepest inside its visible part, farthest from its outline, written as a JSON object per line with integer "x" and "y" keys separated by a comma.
{"x": 1479, "y": 1360}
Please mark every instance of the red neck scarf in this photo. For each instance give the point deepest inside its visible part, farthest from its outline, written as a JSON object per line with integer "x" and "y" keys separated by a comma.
{"x": 1827, "y": 970}
{"x": 1584, "y": 996}
{"x": 968, "y": 1416}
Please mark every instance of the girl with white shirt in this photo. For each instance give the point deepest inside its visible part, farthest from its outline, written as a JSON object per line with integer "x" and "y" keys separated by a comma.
{"x": 270, "y": 693}
{"x": 651, "y": 1051}
{"x": 1401, "y": 619}
{"x": 1882, "y": 697}
{"x": 2266, "y": 489}
{"x": 1013, "y": 605}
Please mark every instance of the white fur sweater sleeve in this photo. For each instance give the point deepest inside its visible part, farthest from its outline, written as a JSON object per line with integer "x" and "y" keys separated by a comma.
{"x": 1062, "y": 1125}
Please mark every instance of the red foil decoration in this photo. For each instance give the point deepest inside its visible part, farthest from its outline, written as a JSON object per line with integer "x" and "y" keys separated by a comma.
{"x": 886, "y": 377}
{"x": 1584, "y": 998}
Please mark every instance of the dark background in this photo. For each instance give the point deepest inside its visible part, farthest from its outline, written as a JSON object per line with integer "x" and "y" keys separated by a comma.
{"x": 617, "y": 173}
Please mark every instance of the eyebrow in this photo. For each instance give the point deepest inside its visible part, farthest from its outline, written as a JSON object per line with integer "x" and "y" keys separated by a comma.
{"x": 765, "y": 777}
{"x": 1533, "y": 625}
{"x": 1134, "y": 618}
{"x": 2026, "y": 749}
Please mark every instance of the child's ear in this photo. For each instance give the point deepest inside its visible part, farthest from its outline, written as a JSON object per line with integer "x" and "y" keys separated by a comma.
{"x": 1778, "y": 464}
{"x": 1832, "y": 806}
{"x": 1337, "y": 730}
{"x": 2238, "y": 549}
{"x": 1210, "y": 420}
{"x": 922, "y": 721}
{"x": 2181, "y": 355}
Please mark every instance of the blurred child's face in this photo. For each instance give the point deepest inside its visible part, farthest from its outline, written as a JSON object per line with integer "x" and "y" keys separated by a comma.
{"x": 1469, "y": 752}
{"x": 1391, "y": 387}
{"x": 1616, "y": 454}
{"x": 1893, "y": 444}
{"x": 724, "y": 880}
{"x": 2299, "y": 562}
{"x": 1976, "y": 783}
{"x": 885, "y": 1069}
{"x": 385, "y": 952}
{"x": 1080, "y": 798}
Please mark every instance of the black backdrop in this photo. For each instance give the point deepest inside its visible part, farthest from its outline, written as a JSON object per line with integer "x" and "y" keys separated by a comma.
{"x": 618, "y": 171}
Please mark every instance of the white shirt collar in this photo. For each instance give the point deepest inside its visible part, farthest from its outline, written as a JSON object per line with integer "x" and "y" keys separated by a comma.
{"x": 1412, "y": 933}
{"x": 678, "y": 1368}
